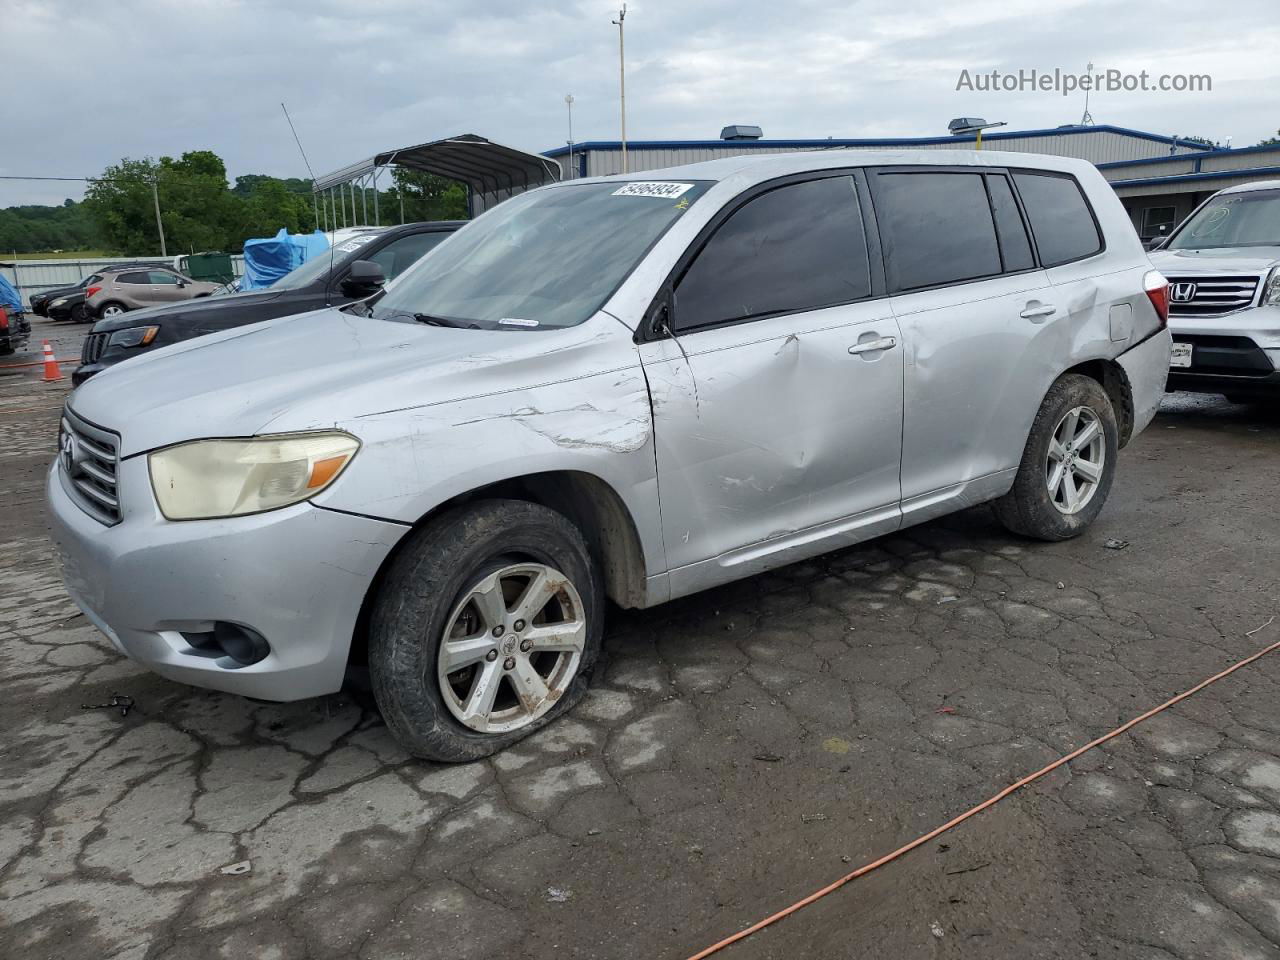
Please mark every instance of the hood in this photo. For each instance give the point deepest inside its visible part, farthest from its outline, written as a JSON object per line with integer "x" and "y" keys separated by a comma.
{"x": 187, "y": 308}
{"x": 1216, "y": 260}
{"x": 52, "y": 295}
{"x": 311, "y": 370}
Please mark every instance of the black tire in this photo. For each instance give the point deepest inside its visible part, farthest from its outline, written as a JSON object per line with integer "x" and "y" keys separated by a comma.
{"x": 1028, "y": 509}
{"x": 80, "y": 314}
{"x": 430, "y": 575}
{"x": 102, "y": 310}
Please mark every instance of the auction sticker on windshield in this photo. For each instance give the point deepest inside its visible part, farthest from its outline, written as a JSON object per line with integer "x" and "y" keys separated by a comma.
{"x": 661, "y": 189}
{"x": 355, "y": 243}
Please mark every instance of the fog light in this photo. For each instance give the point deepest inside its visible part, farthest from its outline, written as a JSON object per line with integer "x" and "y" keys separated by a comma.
{"x": 241, "y": 644}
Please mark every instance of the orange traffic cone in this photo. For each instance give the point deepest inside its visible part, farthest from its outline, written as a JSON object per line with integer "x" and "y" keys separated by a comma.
{"x": 51, "y": 371}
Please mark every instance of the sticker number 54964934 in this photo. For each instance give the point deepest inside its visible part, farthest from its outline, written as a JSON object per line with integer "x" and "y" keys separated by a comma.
{"x": 660, "y": 189}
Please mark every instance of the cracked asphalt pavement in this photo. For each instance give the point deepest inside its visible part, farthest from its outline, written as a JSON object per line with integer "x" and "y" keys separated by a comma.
{"x": 738, "y": 749}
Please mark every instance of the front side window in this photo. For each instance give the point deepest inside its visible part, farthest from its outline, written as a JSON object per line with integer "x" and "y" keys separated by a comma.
{"x": 1060, "y": 217}
{"x": 797, "y": 247}
{"x": 936, "y": 228}
{"x": 547, "y": 258}
{"x": 399, "y": 255}
{"x": 160, "y": 276}
{"x": 1249, "y": 219}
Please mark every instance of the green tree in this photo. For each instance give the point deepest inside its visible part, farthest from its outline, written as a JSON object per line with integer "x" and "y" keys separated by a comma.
{"x": 428, "y": 197}
{"x": 120, "y": 203}
{"x": 1270, "y": 141}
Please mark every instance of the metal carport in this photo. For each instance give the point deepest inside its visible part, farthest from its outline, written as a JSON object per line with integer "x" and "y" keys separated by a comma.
{"x": 491, "y": 172}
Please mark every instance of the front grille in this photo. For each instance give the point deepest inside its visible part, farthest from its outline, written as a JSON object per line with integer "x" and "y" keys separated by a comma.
{"x": 94, "y": 346}
{"x": 88, "y": 457}
{"x": 1210, "y": 296}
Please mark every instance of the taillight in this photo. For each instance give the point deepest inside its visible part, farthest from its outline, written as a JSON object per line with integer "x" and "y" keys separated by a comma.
{"x": 1157, "y": 288}
{"x": 91, "y": 291}
{"x": 4, "y": 319}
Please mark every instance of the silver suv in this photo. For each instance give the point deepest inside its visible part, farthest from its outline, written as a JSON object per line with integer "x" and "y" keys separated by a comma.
{"x": 116, "y": 291}
{"x": 1223, "y": 265}
{"x": 621, "y": 388}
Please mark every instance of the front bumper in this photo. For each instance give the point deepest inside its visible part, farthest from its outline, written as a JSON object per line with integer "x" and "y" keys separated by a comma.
{"x": 1237, "y": 354}
{"x": 297, "y": 576}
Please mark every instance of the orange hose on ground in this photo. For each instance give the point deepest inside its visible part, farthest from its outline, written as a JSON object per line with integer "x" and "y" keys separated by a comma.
{"x": 920, "y": 841}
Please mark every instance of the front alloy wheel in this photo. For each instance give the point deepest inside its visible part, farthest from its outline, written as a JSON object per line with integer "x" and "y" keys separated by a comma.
{"x": 485, "y": 627}
{"x": 511, "y": 648}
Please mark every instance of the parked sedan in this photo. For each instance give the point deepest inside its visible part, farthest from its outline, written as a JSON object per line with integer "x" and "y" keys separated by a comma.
{"x": 69, "y": 306}
{"x": 130, "y": 288}
{"x": 320, "y": 282}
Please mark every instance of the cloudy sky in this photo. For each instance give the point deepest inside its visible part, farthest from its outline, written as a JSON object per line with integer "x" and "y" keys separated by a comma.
{"x": 157, "y": 77}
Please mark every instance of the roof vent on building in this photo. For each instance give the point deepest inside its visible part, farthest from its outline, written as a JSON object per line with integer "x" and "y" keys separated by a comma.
{"x": 741, "y": 131}
{"x": 961, "y": 126}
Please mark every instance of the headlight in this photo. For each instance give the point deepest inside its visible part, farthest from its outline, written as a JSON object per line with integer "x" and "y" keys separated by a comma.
{"x": 1271, "y": 289}
{"x": 133, "y": 337}
{"x": 227, "y": 478}
{"x": 59, "y": 302}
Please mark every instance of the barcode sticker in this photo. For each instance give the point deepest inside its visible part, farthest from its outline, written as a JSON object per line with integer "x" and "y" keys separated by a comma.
{"x": 663, "y": 190}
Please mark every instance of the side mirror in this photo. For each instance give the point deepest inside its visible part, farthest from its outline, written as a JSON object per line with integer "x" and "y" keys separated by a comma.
{"x": 1157, "y": 244}
{"x": 181, "y": 282}
{"x": 363, "y": 278}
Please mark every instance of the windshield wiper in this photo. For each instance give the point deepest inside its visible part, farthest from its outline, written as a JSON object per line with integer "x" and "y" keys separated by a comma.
{"x": 435, "y": 321}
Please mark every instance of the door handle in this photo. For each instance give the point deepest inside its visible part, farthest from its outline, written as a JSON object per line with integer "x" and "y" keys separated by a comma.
{"x": 1038, "y": 313}
{"x": 871, "y": 346}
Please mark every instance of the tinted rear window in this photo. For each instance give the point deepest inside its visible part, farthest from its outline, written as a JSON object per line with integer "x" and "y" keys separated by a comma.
{"x": 797, "y": 247}
{"x": 936, "y": 228}
{"x": 1060, "y": 217}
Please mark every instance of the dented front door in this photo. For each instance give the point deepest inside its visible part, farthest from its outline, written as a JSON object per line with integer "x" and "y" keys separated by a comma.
{"x": 776, "y": 439}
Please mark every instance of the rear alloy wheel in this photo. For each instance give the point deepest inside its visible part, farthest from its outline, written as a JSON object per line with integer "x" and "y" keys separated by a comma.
{"x": 111, "y": 309}
{"x": 1077, "y": 456}
{"x": 485, "y": 628}
{"x": 1068, "y": 463}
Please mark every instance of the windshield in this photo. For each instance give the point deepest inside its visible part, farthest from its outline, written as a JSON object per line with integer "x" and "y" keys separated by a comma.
{"x": 549, "y": 258}
{"x": 1249, "y": 219}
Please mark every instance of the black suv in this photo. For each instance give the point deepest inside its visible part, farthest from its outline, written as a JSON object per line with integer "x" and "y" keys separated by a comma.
{"x": 325, "y": 280}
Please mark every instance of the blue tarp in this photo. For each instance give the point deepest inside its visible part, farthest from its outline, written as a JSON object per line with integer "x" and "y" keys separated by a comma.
{"x": 270, "y": 258}
{"x": 9, "y": 298}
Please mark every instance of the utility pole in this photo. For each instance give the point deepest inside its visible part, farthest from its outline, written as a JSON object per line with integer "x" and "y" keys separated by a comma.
{"x": 155, "y": 198}
{"x": 622, "y": 81}
{"x": 568, "y": 102}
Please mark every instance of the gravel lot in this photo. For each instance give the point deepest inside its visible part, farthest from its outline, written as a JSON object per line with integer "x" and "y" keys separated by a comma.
{"x": 738, "y": 750}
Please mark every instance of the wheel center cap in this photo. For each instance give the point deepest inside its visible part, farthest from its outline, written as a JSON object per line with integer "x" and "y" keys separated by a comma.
{"x": 509, "y": 644}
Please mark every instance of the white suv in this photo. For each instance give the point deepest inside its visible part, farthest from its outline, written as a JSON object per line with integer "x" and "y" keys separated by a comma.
{"x": 1223, "y": 265}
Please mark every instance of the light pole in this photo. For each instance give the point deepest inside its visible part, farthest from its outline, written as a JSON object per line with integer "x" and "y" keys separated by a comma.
{"x": 568, "y": 102}
{"x": 622, "y": 81}
{"x": 155, "y": 198}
